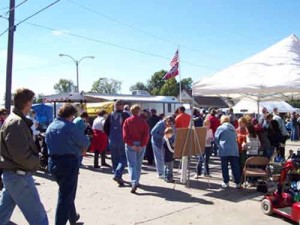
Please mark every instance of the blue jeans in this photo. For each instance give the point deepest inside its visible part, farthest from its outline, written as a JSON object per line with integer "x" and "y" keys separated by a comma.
{"x": 269, "y": 152}
{"x": 135, "y": 159}
{"x": 65, "y": 172}
{"x": 235, "y": 167}
{"x": 169, "y": 171}
{"x": 159, "y": 159}
{"x": 20, "y": 190}
{"x": 205, "y": 157}
{"x": 118, "y": 158}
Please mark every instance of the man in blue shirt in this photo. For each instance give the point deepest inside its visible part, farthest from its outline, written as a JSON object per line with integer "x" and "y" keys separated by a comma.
{"x": 65, "y": 144}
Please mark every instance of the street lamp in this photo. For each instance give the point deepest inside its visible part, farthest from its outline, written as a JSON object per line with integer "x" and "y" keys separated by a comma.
{"x": 77, "y": 64}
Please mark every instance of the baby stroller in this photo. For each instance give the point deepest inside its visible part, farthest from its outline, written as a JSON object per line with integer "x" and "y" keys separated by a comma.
{"x": 285, "y": 201}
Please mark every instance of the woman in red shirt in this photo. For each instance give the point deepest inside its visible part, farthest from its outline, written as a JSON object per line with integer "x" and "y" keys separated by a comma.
{"x": 135, "y": 135}
{"x": 241, "y": 140}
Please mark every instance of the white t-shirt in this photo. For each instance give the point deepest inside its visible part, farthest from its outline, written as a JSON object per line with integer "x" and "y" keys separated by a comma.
{"x": 98, "y": 123}
{"x": 252, "y": 145}
{"x": 209, "y": 137}
{"x": 34, "y": 126}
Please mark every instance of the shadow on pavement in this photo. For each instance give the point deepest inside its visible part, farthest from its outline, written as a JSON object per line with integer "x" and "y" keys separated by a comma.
{"x": 234, "y": 195}
{"x": 105, "y": 170}
{"x": 171, "y": 195}
{"x": 44, "y": 175}
{"x": 204, "y": 184}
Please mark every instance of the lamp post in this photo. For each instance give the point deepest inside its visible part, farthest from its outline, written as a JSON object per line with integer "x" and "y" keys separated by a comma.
{"x": 77, "y": 64}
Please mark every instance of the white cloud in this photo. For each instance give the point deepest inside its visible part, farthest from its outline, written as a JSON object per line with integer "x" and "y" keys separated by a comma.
{"x": 59, "y": 33}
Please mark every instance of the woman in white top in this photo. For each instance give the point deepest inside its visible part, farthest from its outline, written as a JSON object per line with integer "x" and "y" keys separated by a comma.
{"x": 206, "y": 155}
{"x": 99, "y": 141}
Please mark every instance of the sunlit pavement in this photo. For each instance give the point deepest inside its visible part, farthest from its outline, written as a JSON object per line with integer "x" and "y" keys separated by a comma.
{"x": 100, "y": 201}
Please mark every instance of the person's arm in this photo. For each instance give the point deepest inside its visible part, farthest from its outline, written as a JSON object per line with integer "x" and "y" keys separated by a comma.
{"x": 126, "y": 134}
{"x": 211, "y": 135}
{"x": 155, "y": 131}
{"x": 106, "y": 127}
{"x": 21, "y": 149}
{"x": 217, "y": 136}
{"x": 80, "y": 139}
{"x": 169, "y": 145}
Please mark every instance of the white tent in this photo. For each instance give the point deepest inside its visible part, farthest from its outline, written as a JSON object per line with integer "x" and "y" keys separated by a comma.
{"x": 271, "y": 74}
{"x": 250, "y": 106}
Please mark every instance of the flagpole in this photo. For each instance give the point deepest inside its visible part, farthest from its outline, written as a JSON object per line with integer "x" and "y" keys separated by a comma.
{"x": 179, "y": 71}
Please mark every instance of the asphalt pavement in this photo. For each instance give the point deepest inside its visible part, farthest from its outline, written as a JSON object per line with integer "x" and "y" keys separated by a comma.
{"x": 100, "y": 201}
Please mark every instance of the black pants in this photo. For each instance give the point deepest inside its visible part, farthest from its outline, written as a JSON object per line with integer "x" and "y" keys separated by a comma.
{"x": 149, "y": 152}
{"x": 96, "y": 158}
{"x": 282, "y": 147}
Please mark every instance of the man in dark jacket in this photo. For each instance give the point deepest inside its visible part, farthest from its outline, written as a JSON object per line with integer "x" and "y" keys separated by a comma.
{"x": 113, "y": 129}
{"x": 19, "y": 159}
{"x": 152, "y": 121}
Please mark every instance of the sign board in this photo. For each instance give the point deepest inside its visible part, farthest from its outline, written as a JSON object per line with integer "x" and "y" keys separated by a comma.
{"x": 189, "y": 141}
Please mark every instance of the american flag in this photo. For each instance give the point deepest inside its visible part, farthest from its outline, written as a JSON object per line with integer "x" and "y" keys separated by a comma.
{"x": 172, "y": 73}
{"x": 175, "y": 59}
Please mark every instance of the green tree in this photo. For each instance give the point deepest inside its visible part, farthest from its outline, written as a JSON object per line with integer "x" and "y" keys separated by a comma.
{"x": 106, "y": 86}
{"x": 156, "y": 82}
{"x": 64, "y": 86}
{"x": 186, "y": 83}
{"x": 138, "y": 86}
{"x": 38, "y": 99}
{"x": 169, "y": 88}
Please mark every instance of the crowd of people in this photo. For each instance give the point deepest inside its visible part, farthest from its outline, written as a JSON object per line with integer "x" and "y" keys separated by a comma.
{"x": 131, "y": 134}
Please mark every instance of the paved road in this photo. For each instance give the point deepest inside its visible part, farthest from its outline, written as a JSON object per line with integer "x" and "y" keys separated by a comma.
{"x": 100, "y": 201}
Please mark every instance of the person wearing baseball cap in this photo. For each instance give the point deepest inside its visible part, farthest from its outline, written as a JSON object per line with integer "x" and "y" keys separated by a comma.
{"x": 113, "y": 128}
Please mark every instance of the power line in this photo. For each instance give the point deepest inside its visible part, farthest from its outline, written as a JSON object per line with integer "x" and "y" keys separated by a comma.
{"x": 116, "y": 45}
{"x": 38, "y": 67}
{"x": 119, "y": 22}
{"x": 21, "y": 3}
{"x": 34, "y": 14}
{"x": 29, "y": 17}
{"x": 136, "y": 29}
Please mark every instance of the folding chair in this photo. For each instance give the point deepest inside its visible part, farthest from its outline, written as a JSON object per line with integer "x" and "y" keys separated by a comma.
{"x": 251, "y": 170}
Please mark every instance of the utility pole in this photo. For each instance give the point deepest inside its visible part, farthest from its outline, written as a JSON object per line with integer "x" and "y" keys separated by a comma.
{"x": 10, "y": 50}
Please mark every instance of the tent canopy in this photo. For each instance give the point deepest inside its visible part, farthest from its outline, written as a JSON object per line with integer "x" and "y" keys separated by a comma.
{"x": 271, "y": 74}
{"x": 95, "y": 97}
{"x": 69, "y": 97}
{"x": 250, "y": 106}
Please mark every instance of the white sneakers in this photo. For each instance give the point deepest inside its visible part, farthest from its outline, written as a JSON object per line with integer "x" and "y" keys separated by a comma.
{"x": 196, "y": 176}
{"x": 238, "y": 186}
{"x": 226, "y": 185}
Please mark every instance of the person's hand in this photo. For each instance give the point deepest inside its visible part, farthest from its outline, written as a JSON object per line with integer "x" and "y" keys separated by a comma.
{"x": 244, "y": 146}
{"x": 84, "y": 151}
{"x": 135, "y": 148}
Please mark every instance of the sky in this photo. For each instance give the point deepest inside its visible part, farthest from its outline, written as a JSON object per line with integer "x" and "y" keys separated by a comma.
{"x": 131, "y": 40}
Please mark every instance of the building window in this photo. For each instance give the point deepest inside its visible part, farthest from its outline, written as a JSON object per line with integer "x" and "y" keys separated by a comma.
{"x": 169, "y": 107}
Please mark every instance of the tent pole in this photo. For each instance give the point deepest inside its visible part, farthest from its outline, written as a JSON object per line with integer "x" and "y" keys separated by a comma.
{"x": 54, "y": 108}
{"x": 258, "y": 100}
{"x": 179, "y": 70}
{"x": 192, "y": 132}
